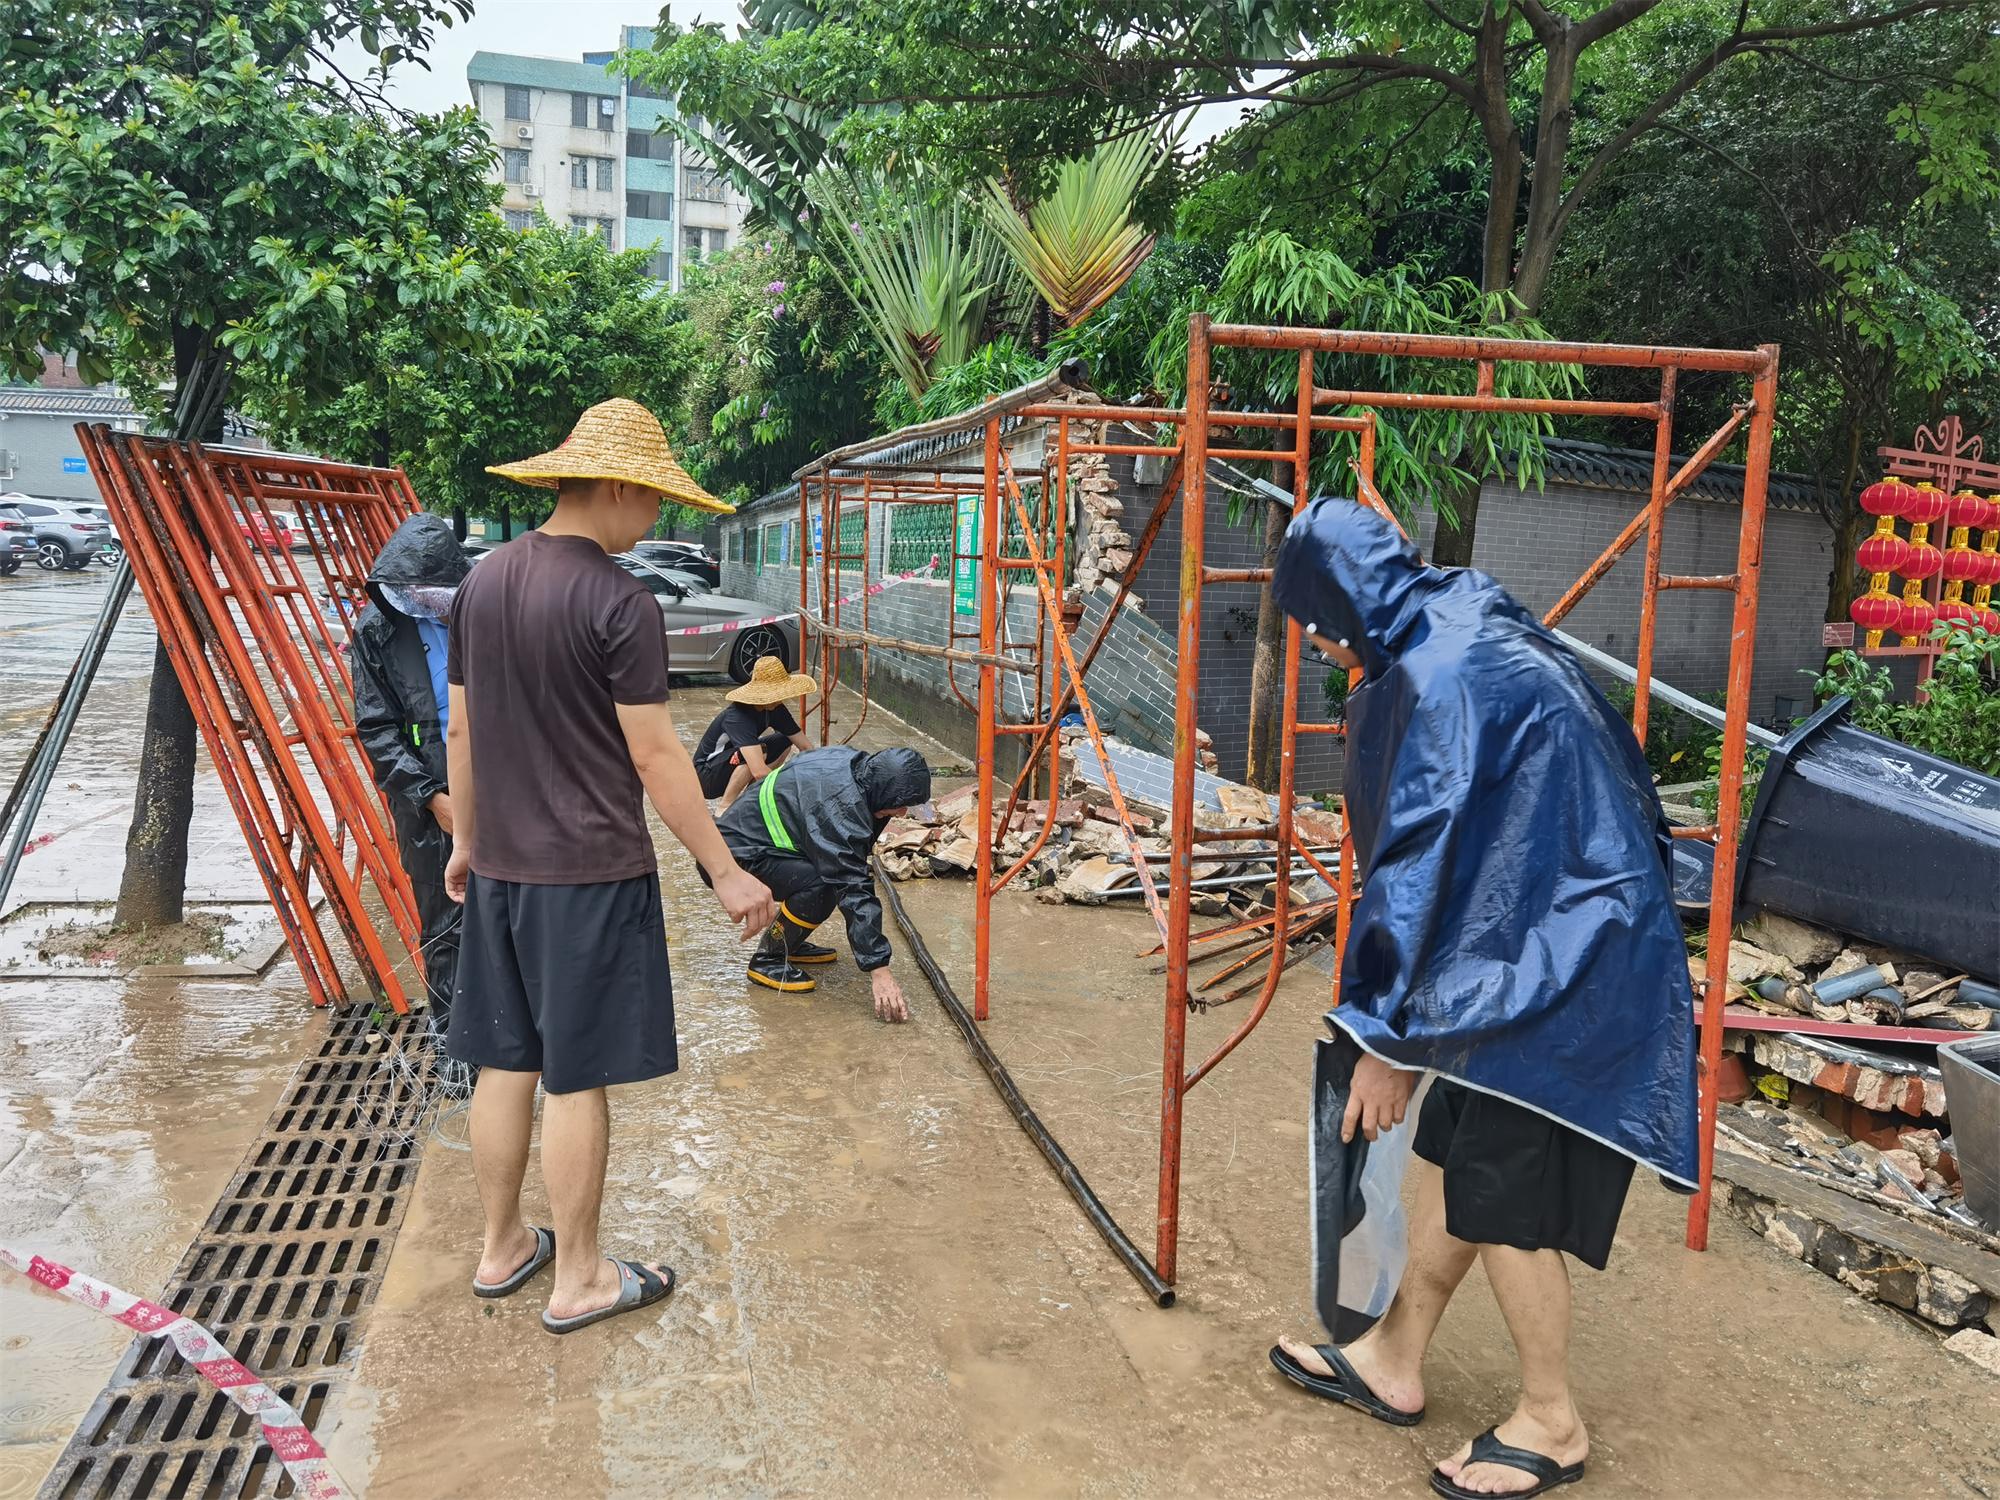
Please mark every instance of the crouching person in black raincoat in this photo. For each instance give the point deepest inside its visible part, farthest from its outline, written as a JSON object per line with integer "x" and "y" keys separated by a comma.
{"x": 807, "y": 831}
{"x": 400, "y": 707}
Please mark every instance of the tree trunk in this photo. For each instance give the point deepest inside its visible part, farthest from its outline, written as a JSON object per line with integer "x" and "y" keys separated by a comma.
{"x": 1267, "y": 662}
{"x": 1840, "y": 589}
{"x": 1452, "y": 546}
{"x": 458, "y": 527}
{"x": 153, "y": 888}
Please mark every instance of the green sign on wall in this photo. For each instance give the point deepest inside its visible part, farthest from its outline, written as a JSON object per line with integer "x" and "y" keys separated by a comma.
{"x": 965, "y": 570}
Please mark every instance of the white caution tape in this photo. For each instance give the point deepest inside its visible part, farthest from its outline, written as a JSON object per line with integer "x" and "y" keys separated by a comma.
{"x": 791, "y": 614}
{"x": 296, "y": 1448}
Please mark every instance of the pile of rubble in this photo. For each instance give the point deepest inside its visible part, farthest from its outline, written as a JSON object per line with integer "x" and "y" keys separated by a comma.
{"x": 1783, "y": 967}
{"x": 1087, "y": 858}
{"x": 1867, "y": 1183}
{"x": 1903, "y": 1161}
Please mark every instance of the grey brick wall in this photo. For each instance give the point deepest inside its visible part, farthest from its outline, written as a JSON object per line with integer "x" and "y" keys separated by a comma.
{"x": 1535, "y": 544}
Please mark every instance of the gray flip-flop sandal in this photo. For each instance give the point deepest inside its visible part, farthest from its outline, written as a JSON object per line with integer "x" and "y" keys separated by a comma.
{"x": 1488, "y": 1449}
{"x": 637, "y": 1287}
{"x": 545, "y": 1254}
{"x": 1344, "y": 1386}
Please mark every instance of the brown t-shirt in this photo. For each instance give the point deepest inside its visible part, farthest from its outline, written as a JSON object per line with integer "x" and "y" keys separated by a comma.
{"x": 548, "y": 634}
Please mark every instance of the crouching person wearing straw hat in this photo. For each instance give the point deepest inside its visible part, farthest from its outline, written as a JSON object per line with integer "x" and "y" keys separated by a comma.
{"x": 808, "y": 832}
{"x": 559, "y": 731}
{"x": 749, "y": 739}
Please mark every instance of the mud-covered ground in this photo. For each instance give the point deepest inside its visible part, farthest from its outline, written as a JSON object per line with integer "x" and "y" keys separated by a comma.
{"x": 885, "y": 1291}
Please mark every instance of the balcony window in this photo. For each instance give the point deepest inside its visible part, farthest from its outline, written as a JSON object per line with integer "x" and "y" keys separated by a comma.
{"x": 515, "y": 164}
{"x": 517, "y": 102}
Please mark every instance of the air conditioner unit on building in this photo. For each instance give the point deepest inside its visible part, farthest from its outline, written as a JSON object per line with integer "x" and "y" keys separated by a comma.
{"x": 531, "y": 190}
{"x": 525, "y": 133}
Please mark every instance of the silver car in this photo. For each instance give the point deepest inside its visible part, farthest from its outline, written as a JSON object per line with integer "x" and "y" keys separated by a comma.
{"x": 65, "y": 536}
{"x": 17, "y": 540}
{"x": 734, "y": 651}
{"x": 115, "y": 548}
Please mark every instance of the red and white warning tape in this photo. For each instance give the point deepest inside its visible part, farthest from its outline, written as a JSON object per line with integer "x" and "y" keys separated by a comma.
{"x": 296, "y": 1448}
{"x": 871, "y": 591}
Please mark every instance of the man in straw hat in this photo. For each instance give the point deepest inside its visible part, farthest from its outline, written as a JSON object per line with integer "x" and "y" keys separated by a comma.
{"x": 559, "y": 729}
{"x": 808, "y": 833}
{"x": 750, "y": 738}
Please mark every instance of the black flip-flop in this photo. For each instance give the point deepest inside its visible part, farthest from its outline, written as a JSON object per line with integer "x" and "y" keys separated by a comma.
{"x": 1488, "y": 1449}
{"x": 545, "y": 1254}
{"x": 637, "y": 1287}
{"x": 1344, "y": 1385}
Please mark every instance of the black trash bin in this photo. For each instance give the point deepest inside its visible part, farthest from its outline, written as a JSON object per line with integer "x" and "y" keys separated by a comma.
{"x": 1868, "y": 836}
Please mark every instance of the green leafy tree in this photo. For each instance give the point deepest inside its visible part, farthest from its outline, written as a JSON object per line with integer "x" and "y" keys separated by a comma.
{"x": 194, "y": 193}
{"x": 1398, "y": 92}
{"x": 1763, "y": 216}
{"x": 1080, "y": 241}
{"x": 590, "y": 325}
{"x": 1421, "y": 458}
{"x": 922, "y": 268}
{"x": 781, "y": 371}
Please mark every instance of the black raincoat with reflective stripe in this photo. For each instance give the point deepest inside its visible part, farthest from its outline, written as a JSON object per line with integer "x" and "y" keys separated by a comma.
{"x": 811, "y": 823}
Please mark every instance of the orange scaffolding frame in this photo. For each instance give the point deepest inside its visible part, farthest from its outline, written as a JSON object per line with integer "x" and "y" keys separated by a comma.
{"x": 266, "y": 676}
{"x": 847, "y": 477}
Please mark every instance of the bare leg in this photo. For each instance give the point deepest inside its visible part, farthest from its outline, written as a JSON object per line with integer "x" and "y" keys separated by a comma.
{"x": 501, "y": 1121}
{"x": 1532, "y": 1288}
{"x": 738, "y": 780}
{"x": 576, "y": 1136}
{"x": 1389, "y": 1358}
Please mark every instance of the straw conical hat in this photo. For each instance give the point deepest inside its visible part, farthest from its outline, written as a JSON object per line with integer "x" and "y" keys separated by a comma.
{"x": 615, "y": 439}
{"x": 770, "y": 683}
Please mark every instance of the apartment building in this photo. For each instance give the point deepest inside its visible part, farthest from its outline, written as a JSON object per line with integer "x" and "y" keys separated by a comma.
{"x": 582, "y": 145}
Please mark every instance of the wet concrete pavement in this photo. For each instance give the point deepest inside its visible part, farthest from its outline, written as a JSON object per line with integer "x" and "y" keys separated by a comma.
{"x": 124, "y": 1104}
{"x": 885, "y": 1291}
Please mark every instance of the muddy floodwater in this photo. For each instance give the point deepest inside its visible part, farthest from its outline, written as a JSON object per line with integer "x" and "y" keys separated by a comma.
{"x": 885, "y": 1292}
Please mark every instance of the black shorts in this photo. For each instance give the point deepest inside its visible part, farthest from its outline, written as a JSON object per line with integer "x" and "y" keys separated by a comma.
{"x": 569, "y": 981}
{"x": 714, "y": 774}
{"x": 1514, "y": 1177}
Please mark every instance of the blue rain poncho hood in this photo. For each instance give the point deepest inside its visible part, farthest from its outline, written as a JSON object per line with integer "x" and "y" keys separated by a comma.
{"x": 1516, "y": 929}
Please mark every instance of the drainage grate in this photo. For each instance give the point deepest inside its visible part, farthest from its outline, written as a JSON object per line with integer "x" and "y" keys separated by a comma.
{"x": 289, "y": 1260}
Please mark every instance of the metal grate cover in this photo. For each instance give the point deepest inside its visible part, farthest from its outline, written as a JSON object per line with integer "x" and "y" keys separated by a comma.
{"x": 290, "y": 1259}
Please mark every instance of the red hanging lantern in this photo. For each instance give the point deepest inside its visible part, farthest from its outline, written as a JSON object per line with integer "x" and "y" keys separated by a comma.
{"x": 1876, "y": 613}
{"x": 1924, "y": 503}
{"x": 1969, "y": 511}
{"x": 1882, "y": 553}
{"x": 1956, "y": 612}
{"x": 1885, "y": 498}
{"x": 1921, "y": 560}
{"x": 1989, "y": 621}
{"x": 1989, "y": 568}
{"x": 1916, "y": 620}
{"x": 1962, "y": 565}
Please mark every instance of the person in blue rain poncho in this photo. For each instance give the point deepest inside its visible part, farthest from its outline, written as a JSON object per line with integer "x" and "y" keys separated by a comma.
{"x": 1515, "y": 936}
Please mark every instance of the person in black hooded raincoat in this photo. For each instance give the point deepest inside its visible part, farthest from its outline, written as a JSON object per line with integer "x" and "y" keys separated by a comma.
{"x": 808, "y": 830}
{"x": 1516, "y": 937}
{"x": 397, "y": 657}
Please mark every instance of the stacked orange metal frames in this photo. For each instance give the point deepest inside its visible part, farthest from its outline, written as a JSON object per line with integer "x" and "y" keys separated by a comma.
{"x": 263, "y": 671}
{"x": 1188, "y": 458}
